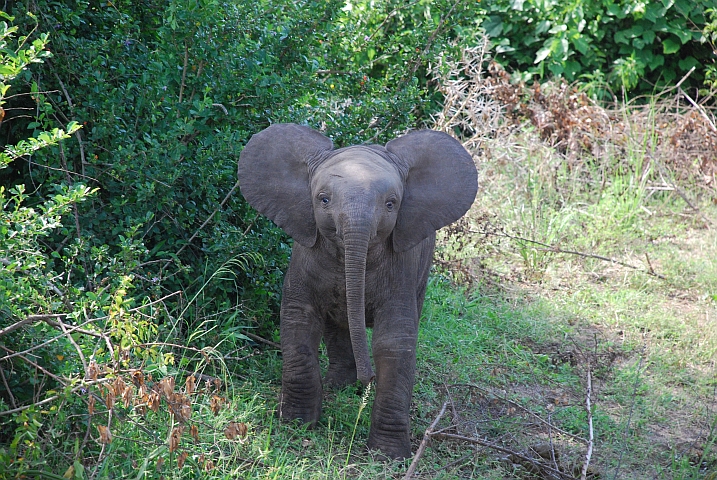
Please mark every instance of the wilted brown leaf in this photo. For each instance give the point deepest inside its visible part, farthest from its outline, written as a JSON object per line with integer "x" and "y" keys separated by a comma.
{"x": 180, "y": 406}
{"x": 181, "y": 459}
{"x": 105, "y": 434}
{"x": 93, "y": 370}
{"x": 230, "y": 431}
{"x": 138, "y": 378}
{"x": 127, "y": 397}
{"x": 190, "y": 385}
{"x": 110, "y": 397}
{"x": 185, "y": 412}
{"x": 174, "y": 438}
{"x": 160, "y": 464}
{"x": 119, "y": 386}
{"x": 242, "y": 430}
{"x": 194, "y": 431}
{"x": 216, "y": 403}
{"x": 166, "y": 386}
{"x": 234, "y": 430}
{"x": 140, "y": 406}
{"x": 152, "y": 401}
{"x": 91, "y": 405}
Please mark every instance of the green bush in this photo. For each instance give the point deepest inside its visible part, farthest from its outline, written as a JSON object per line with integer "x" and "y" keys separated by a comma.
{"x": 639, "y": 46}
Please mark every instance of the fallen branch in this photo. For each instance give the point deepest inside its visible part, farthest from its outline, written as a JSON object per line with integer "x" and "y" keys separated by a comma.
{"x": 557, "y": 249}
{"x": 588, "y": 408}
{"x": 522, "y": 408}
{"x": 28, "y": 320}
{"x": 426, "y": 438}
{"x": 83, "y": 386}
{"x": 554, "y": 474}
{"x": 699, "y": 109}
{"x": 262, "y": 340}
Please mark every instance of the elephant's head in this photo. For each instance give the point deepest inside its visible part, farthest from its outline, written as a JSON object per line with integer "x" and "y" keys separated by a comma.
{"x": 357, "y": 197}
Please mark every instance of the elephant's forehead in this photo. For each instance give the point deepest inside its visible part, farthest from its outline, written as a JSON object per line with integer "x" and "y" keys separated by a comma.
{"x": 358, "y": 164}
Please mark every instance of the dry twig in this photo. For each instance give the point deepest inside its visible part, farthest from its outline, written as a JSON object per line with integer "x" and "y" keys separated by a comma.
{"x": 558, "y": 249}
{"x": 545, "y": 469}
{"x": 588, "y": 408}
{"x": 426, "y": 438}
{"x": 523, "y": 409}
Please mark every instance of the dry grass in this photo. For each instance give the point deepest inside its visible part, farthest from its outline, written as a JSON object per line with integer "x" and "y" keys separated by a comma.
{"x": 567, "y": 186}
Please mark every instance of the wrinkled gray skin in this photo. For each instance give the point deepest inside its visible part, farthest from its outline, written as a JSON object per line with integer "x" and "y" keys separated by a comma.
{"x": 363, "y": 220}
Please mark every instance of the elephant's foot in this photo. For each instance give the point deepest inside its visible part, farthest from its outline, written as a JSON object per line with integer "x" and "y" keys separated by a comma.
{"x": 306, "y": 409}
{"x": 391, "y": 446}
{"x": 337, "y": 378}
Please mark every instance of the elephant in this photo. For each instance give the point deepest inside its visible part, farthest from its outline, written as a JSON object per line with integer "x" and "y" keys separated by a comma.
{"x": 363, "y": 219}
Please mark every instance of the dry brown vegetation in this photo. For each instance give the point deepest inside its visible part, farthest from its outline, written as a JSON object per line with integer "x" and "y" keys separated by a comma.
{"x": 554, "y": 136}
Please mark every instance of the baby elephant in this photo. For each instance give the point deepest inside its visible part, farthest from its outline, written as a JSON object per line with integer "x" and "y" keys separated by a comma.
{"x": 364, "y": 221}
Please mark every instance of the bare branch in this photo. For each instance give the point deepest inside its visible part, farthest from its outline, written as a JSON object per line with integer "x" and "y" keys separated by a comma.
{"x": 557, "y": 249}
{"x": 28, "y": 320}
{"x": 588, "y": 408}
{"x": 426, "y": 438}
{"x": 521, "y": 408}
{"x": 554, "y": 474}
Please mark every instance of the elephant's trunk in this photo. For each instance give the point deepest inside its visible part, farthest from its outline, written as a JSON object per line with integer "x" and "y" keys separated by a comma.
{"x": 356, "y": 247}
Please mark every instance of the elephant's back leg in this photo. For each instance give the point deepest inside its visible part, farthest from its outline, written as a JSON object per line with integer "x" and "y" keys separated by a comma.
{"x": 425, "y": 260}
{"x": 342, "y": 366}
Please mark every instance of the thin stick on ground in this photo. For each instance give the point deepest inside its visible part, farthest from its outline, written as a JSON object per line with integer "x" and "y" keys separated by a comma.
{"x": 521, "y": 408}
{"x": 588, "y": 408}
{"x": 424, "y": 443}
{"x": 547, "y": 470}
{"x": 557, "y": 249}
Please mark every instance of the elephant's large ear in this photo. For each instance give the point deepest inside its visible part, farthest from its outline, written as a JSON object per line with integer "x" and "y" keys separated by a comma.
{"x": 441, "y": 185}
{"x": 274, "y": 176}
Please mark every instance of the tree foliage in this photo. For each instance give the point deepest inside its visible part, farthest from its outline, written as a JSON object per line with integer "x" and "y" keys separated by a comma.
{"x": 635, "y": 46}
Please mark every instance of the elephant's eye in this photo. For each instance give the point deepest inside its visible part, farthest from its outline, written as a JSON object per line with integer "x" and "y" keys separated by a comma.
{"x": 389, "y": 205}
{"x": 324, "y": 199}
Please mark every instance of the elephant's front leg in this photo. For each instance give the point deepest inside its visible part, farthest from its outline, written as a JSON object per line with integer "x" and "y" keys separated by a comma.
{"x": 301, "y": 391}
{"x": 394, "y": 353}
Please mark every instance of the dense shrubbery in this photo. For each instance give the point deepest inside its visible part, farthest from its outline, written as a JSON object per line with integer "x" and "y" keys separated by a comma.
{"x": 141, "y": 202}
{"x": 639, "y": 46}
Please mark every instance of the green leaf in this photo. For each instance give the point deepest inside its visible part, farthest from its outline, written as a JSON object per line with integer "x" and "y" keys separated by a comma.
{"x": 687, "y": 63}
{"x": 657, "y": 61}
{"x": 581, "y": 45}
{"x": 670, "y": 46}
{"x": 493, "y": 26}
{"x": 616, "y": 10}
{"x": 542, "y": 54}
